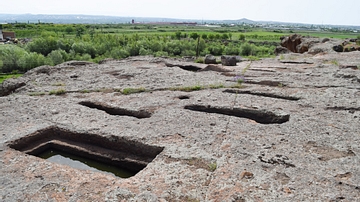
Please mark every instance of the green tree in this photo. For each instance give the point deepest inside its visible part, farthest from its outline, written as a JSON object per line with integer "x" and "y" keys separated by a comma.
{"x": 69, "y": 29}
{"x": 224, "y": 36}
{"x": 178, "y": 35}
{"x": 242, "y": 37}
{"x": 11, "y": 55}
{"x": 118, "y": 53}
{"x": 194, "y": 35}
{"x": 31, "y": 60}
{"x": 43, "y": 45}
{"x": 80, "y": 30}
{"x": 56, "y": 57}
{"x": 246, "y": 49}
{"x": 84, "y": 48}
{"x": 133, "y": 49}
{"x": 204, "y": 36}
{"x": 231, "y": 50}
{"x": 216, "y": 49}
{"x": 211, "y": 36}
{"x": 144, "y": 51}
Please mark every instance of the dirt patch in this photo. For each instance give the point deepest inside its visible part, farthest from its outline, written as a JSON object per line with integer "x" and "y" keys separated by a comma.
{"x": 326, "y": 152}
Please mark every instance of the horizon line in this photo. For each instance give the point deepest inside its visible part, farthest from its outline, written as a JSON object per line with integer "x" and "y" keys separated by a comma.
{"x": 244, "y": 18}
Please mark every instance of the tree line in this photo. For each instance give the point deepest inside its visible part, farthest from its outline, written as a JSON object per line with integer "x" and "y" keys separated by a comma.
{"x": 51, "y": 49}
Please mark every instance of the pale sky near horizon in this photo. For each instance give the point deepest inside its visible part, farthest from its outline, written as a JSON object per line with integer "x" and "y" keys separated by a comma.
{"x": 335, "y": 12}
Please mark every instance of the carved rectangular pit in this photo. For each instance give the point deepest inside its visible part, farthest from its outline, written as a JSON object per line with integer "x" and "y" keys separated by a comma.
{"x": 260, "y": 116}
{"x": 115, "y": 151}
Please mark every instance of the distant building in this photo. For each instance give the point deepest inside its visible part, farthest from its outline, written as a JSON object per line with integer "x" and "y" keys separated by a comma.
{"x": 8, "y": 35}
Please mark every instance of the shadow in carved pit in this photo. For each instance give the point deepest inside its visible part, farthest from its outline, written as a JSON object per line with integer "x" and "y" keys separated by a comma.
{"x": 263, "y": 94}
{"x": 260, "y": 116}
{"x": 140, "y": 114}
{"x": 112, "y": 154}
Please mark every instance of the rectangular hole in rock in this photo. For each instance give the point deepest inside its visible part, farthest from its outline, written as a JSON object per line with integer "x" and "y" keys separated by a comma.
{"x": 75, "y": 161}
{"x": 140, "y": 114}
{"x": 260, "y": 116}
{"x": 271, "y": 95}
{"x": 117, "y": 155}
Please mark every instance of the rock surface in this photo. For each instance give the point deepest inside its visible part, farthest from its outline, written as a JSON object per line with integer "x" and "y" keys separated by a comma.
{"x": 300, "y": 44}
{"x": 289, "y": 133}
{"x": 228, "y": 60}
{"x": 210, "y": 59}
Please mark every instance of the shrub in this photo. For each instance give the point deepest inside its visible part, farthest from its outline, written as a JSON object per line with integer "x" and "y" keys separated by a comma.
{"x": 84, "y": 48}
{"x": 133, "y": 49}
{"x": 119, "y": 53}
{"x": 144, "y": 51}
{"x": 42, "y": 45}
{"x": 155, "y": 46}
{"x": 242, "y": 37}
{"x": 204, "y": 36}
{"x": 11, "y": 55}
{"x": 31, "y": 60}
{"x": 194, "y": 35}
{"x": 231, "y": 50}
{"x": 216, "y": 49}
{"x": 246, "y": 49}
{"x": 161, "y": 54}
{"x": 188, "y": 53}
{"x": 178, "y": 35}
{"x": 127, "y": 91}
{"x": 57, "y": 92}
{"x": 224, "y": 36}
{"x": 199, "y": 60}
{"x": 56, "y": 57}
{"x": 211, "y": 36}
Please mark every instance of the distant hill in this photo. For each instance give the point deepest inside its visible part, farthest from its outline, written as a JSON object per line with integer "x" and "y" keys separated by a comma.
{"x": 90, "y": 19}
{"x": 100, "y": 19}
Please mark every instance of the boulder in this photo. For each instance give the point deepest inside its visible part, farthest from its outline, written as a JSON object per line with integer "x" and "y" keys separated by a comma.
{"x": 10, "y": 85}
{"x": 215, "y": 68}
{"x": 238, "y": 58}
{"x": 291, "y": 42}
{"x": 353, "y": 40}
{"x": 210, "y": 59}
{"x": 325, "y": 40}
{"x": 228, "y": 60}
{"x": 298, "y": 44}
{"x": 281, "y": 50}
{"x": 306, "y": 44}
{"x": 338, "y": 48}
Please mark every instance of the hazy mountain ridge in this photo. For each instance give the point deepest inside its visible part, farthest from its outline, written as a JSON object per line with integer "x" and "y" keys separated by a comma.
{"x": 100, "y": 19}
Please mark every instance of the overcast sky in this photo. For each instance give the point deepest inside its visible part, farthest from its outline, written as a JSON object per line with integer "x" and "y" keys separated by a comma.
{"x": 337, "y": 12}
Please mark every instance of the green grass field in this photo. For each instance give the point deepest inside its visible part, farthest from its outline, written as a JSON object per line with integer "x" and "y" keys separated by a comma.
{"x": 3, "y": 77}
{"x": 52, "y": 44}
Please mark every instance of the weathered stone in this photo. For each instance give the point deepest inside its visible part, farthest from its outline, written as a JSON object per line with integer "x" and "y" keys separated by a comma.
{"x": 238, "y": 58}
{"x": 281, "y": 50}
{"x": 228, "y": 60}
{"x": 10, "y": 85}
{"x": 338, "y": 48}
{"x": 216, "y": 68}
{"x": 286, "y": 134}
{"x": 353, "y": 40}
{"x": 210, "y": 59}
{"x": 291, "y": 42}
{"x": 325, "y": 40}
